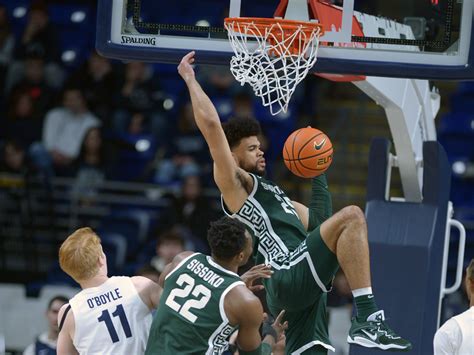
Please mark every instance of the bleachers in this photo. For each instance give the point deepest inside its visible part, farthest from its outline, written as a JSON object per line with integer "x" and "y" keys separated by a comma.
{"x": 124, "y": 215}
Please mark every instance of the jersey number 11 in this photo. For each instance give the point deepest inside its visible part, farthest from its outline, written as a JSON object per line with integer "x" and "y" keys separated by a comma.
{"x": 119, "y": 312}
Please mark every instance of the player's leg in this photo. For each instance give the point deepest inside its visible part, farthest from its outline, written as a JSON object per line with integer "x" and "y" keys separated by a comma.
{"x": 345, "y": 235}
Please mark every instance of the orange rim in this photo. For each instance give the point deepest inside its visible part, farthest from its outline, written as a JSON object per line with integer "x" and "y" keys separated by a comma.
{"x": 287, "y": 25}
{"x": 285, "y": 28}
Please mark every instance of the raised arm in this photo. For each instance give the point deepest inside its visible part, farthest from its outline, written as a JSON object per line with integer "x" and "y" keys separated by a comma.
{"x": 227, "y": 174}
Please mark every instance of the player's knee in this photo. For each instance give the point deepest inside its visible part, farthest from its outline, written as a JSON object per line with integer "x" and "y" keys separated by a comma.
{"x": 353, "y": 214}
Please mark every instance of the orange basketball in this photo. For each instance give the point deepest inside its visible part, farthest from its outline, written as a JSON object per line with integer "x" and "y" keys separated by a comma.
{"x": 307, "y": 152}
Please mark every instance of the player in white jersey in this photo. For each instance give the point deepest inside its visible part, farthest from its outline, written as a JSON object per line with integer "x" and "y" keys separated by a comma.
{"x": 456, "y": 336}
{"x": 110, "y": 315}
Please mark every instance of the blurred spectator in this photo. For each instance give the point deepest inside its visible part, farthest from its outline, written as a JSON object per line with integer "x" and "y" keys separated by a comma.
{"x": 149, "y": 272}
{"x": 187, "y": 154}
{"x": 137, "y": 123}
{"x": 137, "y": 150}
{"x": 21, "y": 123}
{"x": 217, "y": 80}
{"x": 13, "y": 158}
{"x": 97, "y": 80}
{"x": 46, "y": 342}
{"x": 63, "y": 132}
{"x": 35, "y": 85}
{"x": 39, "y": 41}
{"x": 91, "y": 166}
{"x": 7, "y": 44}
{"x": 243, "y": 105}
{"x": 169, "y": 244}
{"x": 39, "y": 35}
{"x": 192, "y": 209}
{"x": 93, "y": 153}
{"x": 139, "y": 92}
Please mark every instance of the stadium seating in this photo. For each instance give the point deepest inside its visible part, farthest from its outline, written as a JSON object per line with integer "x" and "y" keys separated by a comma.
{"x": 115, "y": 247}
{"x": 132, "y": 228}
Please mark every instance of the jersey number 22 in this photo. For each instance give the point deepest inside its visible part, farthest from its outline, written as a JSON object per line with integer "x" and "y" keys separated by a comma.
{"x": 189, "y": 288}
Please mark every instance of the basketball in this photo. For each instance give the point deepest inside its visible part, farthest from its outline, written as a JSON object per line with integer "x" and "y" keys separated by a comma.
{"x": 307, "y": 152}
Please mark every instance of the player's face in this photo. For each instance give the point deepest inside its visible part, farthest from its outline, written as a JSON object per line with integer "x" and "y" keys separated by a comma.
{"x": 249, "y": 156}
{"x": 248, "y": 250}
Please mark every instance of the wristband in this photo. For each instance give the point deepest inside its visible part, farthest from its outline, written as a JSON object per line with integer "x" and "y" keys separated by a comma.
{"x": 267, "y": 329}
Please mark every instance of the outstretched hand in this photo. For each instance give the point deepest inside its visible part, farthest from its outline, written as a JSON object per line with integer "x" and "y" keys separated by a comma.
{"x": 185, "y": 67}
{"x": 256, "y": 272}
{"x": 278, "y": 326}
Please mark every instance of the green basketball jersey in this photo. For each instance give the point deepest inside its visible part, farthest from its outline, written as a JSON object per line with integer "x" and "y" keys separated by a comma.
{"x": 273, "y": 221}
{"x": 191, "y": 318}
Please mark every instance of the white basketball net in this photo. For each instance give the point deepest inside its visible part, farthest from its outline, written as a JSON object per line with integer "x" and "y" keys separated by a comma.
{"x": 267, "y": 60}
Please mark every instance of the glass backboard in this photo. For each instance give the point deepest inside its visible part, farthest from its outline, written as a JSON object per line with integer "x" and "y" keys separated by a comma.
{"x": 426, "y": 39}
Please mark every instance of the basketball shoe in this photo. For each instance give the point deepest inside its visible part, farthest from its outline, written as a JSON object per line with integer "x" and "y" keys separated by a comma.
{"x": 375, "y": 333}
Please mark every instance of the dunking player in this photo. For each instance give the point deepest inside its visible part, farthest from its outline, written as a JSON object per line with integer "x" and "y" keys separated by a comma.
{"x": 204, "y": 300}
{"x": 110, "y": 315}
{"x": 304, "y": 246}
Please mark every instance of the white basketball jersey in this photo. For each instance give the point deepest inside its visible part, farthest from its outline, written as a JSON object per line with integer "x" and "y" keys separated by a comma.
{"x": 466, "y": 324}
{"x": 110, "y": 319}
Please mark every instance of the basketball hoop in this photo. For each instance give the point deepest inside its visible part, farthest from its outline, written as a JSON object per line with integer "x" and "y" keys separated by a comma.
{"x": 272, "y": 55}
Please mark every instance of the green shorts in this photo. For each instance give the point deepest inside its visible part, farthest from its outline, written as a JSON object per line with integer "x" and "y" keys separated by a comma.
{"x": 299, "y": 286}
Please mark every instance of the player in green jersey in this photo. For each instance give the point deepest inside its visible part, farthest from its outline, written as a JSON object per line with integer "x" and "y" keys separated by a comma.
{"x": 204, "y": 300}
{"x": 305, "y": 246}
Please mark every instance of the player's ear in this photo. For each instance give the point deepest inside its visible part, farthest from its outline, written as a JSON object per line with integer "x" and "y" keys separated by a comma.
{"x": 241, "y": 257}
{"x": 102, "y": 258}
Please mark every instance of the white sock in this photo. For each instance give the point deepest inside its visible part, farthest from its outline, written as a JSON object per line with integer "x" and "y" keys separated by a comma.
{"x": 362, "y": 292}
